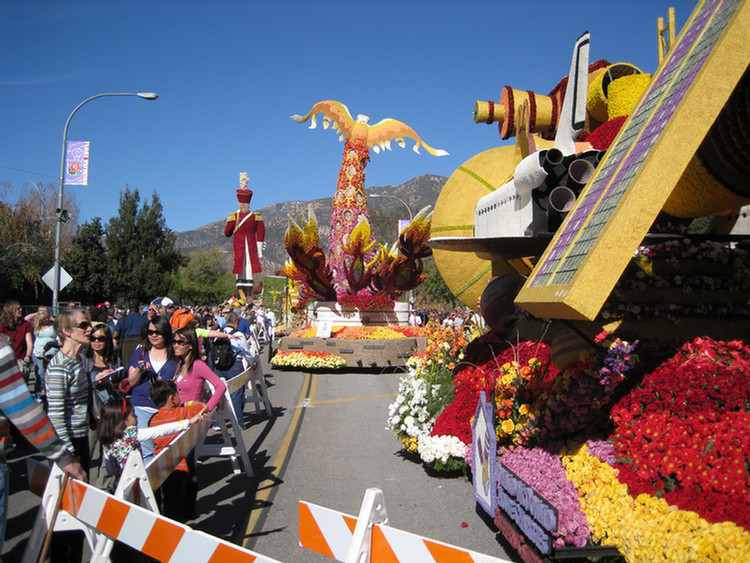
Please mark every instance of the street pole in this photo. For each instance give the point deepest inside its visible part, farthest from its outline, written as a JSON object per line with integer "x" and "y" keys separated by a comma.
{"x": 411, "y": 218}
{"x": 62, "y": 214}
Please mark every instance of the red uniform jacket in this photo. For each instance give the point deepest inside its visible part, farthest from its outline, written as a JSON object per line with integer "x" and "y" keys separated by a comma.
{"x": 247, "y": 230}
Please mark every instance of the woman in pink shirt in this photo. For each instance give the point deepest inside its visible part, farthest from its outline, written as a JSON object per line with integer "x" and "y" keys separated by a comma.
{"x": 192, "y": 372}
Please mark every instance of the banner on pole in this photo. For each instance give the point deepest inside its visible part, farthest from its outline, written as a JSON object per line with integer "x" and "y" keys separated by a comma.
{"x": 77, "y": 163}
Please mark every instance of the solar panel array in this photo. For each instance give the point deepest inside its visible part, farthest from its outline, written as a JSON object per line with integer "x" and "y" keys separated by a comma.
{"x": 574, "y": 241}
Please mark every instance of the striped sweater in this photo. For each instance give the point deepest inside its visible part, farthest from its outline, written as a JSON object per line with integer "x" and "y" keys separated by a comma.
{"x": 17, "y": 404}
{"x": 68, "y": 391}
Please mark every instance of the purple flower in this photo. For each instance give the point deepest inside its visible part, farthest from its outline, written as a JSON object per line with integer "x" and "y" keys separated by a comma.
{"x": 545, "y": 493}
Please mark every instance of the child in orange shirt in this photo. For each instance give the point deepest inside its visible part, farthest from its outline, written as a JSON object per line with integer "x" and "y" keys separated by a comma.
{"x": 178, "y": 494}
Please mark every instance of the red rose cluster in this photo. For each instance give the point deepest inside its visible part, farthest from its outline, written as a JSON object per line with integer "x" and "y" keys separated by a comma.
{"x": 683, "y": 433}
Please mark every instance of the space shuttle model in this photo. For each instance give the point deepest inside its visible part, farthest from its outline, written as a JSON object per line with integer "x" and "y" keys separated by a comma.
{"x": 546, "y": 182}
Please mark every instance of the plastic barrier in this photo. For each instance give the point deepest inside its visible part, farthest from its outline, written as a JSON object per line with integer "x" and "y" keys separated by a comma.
{"x": 137, "y": 482}
{"x": 149, "y": 477}
{"x": 102, "y": 514}
{"x": 368, "y": 538}
{"x": 162, "y": 464}
{"x": 227, "y": 418}
{"x": 257, "y": 384}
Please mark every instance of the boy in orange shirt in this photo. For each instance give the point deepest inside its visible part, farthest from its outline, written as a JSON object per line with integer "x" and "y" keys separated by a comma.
{"x": 178, "y": 494}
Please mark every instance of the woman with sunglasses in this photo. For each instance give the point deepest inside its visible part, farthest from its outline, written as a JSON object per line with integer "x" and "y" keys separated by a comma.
{"x": 67, "y": 386}
{"x": 192, "y": 372}
{"x": 152, "y": 360}
{"x": 101, "y": 362}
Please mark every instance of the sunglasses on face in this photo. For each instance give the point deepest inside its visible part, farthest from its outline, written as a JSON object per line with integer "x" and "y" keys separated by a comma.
{"x": 83, "y": 325}
{"x": 101, "y": 338}
{"x": 154, "y": 333}
{"x": 180, "y": 342}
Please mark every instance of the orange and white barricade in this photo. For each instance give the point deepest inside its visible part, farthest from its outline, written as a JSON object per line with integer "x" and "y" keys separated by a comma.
{"x": 137, "y": 482}
{"x": 368, "y": 538}
{"x": 227, "y": 418}
{"x": 102, "y": 513}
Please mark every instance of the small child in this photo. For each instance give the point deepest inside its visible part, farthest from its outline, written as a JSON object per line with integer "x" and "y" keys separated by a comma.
{"x": 179, "y": 492}
{"x": 119, "y": 434}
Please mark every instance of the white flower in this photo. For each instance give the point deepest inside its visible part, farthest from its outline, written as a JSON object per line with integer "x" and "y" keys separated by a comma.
{"x": 408, "y": 413}
{"x": 431, "y": 448}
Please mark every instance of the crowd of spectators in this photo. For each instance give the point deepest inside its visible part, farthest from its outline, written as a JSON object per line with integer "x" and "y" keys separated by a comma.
{"x": 62, "y": 373}
{"x": 460, "y": 318}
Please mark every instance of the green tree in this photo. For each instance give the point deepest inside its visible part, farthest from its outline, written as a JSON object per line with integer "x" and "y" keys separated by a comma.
{"x": 140, "y": 250}
{"x": 205, "y": 279}
{"x": 27, "y": 239}
{"x": 274, "y": 292}
{"x": 435, "y": 287}
{"x": 87, "y": 264}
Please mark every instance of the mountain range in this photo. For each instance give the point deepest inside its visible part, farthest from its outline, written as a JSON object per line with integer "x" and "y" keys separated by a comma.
{"x": 385, "y": 209}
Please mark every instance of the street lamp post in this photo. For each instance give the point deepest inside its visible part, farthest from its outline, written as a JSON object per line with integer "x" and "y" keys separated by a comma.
{"x": 62, "y": 214}
{"x": 411, "y": 217}
{"x": 396, "y": 198}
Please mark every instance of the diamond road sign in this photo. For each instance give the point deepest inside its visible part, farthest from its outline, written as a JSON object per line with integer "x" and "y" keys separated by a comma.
{"x": 49, "y": 278}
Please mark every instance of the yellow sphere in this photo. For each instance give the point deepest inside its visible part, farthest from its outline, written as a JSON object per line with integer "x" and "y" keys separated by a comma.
{"x": 465, "y": 274}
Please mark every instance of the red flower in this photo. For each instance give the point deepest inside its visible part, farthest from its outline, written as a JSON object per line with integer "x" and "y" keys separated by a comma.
{"x": 691, "y": 442}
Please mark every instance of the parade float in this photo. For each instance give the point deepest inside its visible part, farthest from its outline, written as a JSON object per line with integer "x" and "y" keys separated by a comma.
{"x": 605, "y": 415}
{"x": 357, "y": 282}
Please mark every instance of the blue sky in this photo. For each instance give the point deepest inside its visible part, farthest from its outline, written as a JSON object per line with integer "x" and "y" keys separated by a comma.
{"x": 229, "y": 75}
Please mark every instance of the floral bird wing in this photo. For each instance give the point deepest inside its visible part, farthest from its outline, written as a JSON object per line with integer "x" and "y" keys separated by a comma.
{"x": 334, "y": 113}
{"x": 382, "y": 133}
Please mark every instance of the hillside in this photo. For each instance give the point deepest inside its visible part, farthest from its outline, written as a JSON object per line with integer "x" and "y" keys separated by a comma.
{"x": 417, "y": 193}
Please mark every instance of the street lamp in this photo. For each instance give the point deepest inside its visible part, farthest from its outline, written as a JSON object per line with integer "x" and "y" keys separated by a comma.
{"x": 397, "y": 198}
{"x": 62, "y": 214}
{"x": 411, "y": 217}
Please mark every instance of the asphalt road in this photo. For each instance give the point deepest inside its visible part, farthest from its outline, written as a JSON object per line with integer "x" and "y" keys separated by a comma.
{"x": 326, "y": 443}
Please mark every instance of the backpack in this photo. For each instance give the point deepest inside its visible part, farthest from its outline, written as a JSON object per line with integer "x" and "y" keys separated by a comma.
{"x": 222, "y": 354}
{"x": 181, "y": 318}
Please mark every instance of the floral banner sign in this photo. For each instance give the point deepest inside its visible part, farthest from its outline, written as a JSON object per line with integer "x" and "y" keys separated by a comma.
{"x": 77, "y": 163}
{"x": 484, "y": 456}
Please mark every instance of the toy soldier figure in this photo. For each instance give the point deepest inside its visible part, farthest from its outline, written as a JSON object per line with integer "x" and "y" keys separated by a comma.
{"x": 248, "y": 232}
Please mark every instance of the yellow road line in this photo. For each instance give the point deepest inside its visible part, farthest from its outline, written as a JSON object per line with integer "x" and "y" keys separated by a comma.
{"x": 313, "y": 403}
{"x": 264, "y": 492}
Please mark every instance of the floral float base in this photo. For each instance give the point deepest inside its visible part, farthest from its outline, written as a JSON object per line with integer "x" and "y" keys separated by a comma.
{"x": 310, "y": 360}
{"x": 360, "y": 353}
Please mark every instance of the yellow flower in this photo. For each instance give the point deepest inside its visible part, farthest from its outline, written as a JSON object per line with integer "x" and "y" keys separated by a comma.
{"x": 523, "y": 409}
{"x": 647, "y": 528}
{"x": 507, "y": 426}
